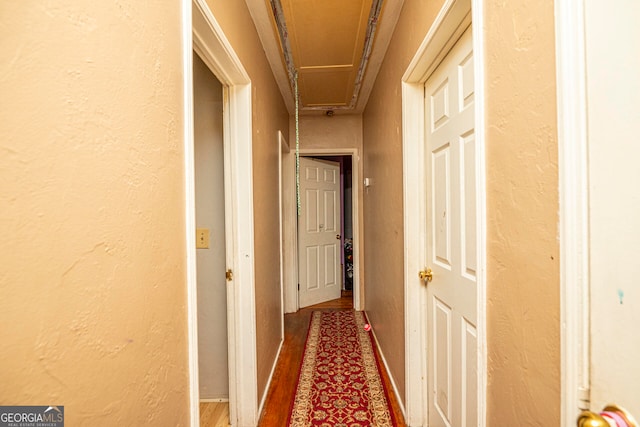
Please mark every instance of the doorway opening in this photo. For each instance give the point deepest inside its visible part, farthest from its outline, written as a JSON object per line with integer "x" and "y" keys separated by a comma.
{"x": 450, "y": 24}
{"x": 213, "y": 366}
{"x": 202, "y": 34}
{"x": 350, "y": 232}
{"x": 325, "y": 229}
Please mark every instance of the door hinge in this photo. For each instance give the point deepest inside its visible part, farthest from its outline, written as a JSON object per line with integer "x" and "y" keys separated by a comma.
{"x": 298, "y": 286}
{"x": 584, "y": 398}
{"x": 229, "y": 275}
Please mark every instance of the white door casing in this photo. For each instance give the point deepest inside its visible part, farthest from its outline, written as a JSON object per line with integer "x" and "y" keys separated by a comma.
{"x": 290, "y": 221}
{"x": 455, "y": 16}
{"x": 319, "y": 227}
{"x": 572, "y": 171}
{"x": 202, "y": 34}
{"x": 451, "y": 239}
{"x": 290, "y": 231}
{"x": 285, "y": 235}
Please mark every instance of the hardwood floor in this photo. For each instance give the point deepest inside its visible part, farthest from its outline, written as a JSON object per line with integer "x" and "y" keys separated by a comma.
{"x": 214, "y": 414}
{"x": 282, "y": 390}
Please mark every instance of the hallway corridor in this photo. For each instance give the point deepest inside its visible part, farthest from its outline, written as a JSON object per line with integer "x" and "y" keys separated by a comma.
{"x": 282, "y": 390}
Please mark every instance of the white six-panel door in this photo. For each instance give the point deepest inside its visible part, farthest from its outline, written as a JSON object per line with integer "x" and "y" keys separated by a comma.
{"x": 319, "y": 228}
{"x": 451, "y": 240}
{"x": 613, "y": 125}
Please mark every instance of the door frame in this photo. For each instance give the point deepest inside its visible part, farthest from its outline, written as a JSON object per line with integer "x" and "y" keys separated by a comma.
{"x": 290, "y": 233}
{"x": 203, "y": 34}
{"x": 574, "y": 202}
{"x": 453, "y": 18}
{"x": 291, "y": 252}
{"x": 285, "y": 239}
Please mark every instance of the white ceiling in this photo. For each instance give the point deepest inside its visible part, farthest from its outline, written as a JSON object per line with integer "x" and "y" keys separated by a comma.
{"x": 335, "y": 47}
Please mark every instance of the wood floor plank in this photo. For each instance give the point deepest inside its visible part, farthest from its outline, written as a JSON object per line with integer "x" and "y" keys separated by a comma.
{"x": 214, "y": 414}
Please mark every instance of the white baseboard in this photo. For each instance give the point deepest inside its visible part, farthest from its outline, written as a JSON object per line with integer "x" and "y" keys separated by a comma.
{"x": 386, "y": 366}
{"x": 219, "y": 400}
{"x": 273, "y": 369}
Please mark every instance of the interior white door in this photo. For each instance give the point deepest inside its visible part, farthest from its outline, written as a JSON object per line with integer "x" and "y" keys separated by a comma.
{"x": 451, "y": 240}
{"x": 613, "y": 116}
{"x": 319, "y": 232}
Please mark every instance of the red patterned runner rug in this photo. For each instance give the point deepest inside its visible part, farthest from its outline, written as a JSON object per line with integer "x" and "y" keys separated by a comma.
{"x": 339, "y": 383}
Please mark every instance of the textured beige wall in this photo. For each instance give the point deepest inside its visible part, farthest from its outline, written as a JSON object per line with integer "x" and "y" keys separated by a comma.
{"x": 320, "y": 131}
{"x": 523, "y": 275}
{"x": 91, "y": 187}
{"x": 383, "y": 214}
{"x": 523, "y": 325}
{"x": 269, "y": 116}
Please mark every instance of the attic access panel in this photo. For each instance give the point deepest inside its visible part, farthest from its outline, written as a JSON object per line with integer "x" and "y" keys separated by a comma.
{"x": 327, "y": 42}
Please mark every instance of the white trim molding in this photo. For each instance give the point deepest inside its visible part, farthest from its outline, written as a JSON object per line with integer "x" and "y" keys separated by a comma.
{"x": 283, "y": 148}
{"x": 574, "y": 216}
{"x": 414, "y": 251}
{"x": 263, "y": 400}
{"x": 394, "y": 386}
{"x": 214, "y": 49}
{"x": 290, "y": 230}
{"x": 210, "y": 43}
{"x": 477, "y": 17}
{"x": 190, "y": 211}
{"x": 356, "y": 194}
{"x": 454, "y": 18}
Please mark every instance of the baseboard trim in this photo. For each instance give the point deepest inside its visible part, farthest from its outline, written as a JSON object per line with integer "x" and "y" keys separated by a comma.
{"x": 391, "y": 379}
{"x": 273, "y": 370}
{"x": 219, "y": 400}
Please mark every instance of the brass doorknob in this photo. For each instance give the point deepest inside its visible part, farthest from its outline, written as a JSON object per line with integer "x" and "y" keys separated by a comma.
{"x": 591, "y": 419}
{"x": 426, "y": 275}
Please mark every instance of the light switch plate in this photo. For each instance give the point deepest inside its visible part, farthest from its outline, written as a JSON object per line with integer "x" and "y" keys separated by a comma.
{"x": 202, "y": 238}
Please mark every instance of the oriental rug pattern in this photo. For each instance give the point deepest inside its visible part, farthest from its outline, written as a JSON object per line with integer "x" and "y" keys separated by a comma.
{"x": 339, "y": 383}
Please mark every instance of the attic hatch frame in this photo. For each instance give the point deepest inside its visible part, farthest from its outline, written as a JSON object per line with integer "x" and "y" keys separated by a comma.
{"x": 292, "y": 73}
